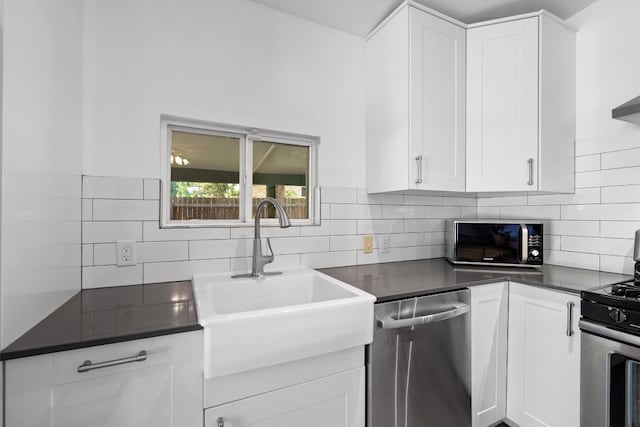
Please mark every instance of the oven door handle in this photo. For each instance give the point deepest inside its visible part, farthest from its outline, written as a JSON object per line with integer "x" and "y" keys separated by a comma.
{"x": 390, "y": 323}
{"x": 612, "y": 334}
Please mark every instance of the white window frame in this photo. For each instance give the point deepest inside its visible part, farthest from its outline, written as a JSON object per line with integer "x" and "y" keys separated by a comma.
{"x": 246, "y": 135}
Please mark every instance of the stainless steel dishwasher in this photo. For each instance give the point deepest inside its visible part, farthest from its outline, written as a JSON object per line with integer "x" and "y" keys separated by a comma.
{"x": 419, "y": 364}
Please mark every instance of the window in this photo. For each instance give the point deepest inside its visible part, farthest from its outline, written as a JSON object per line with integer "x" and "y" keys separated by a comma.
{"x": 216, "y": 174}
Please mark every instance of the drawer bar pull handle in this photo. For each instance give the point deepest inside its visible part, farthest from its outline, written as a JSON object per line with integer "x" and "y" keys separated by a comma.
{"x": 88, "y": 365}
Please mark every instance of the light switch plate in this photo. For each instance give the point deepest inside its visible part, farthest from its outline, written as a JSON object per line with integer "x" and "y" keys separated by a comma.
{"x": 384, "y": 243}
{"x": 367, "y": 244}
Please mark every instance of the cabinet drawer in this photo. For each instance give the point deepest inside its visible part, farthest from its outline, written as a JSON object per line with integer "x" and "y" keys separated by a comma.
{"x": 65, "y": 365}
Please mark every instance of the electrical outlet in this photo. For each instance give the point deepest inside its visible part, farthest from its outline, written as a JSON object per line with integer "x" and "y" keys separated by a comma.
{"x": 126, "y": 252}
{"x": 383, "y": 243}
{"x": 367, "y": 244}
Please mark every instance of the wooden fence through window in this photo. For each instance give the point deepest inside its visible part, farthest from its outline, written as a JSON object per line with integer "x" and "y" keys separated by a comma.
{"x": 185, "y": 208}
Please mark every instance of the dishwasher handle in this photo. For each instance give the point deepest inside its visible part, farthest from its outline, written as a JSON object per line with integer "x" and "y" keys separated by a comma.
{"x": 390, "y": 323}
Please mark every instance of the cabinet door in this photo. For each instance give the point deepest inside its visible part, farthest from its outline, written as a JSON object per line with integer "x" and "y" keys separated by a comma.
{"x": 489, "y": 321}
{"x": 544, "y": 357}
{"x": 437, "y": 99}
{"x": 337, "y": 400}
{"x": 163, "y": 388}
{"x": 502, "y": 106}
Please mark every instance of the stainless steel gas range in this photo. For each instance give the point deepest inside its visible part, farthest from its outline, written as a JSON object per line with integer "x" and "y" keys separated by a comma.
{"x": 610, "y": 362}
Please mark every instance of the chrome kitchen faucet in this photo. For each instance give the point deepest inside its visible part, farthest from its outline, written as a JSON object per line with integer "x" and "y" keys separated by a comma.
{"x": 259, "y": 260}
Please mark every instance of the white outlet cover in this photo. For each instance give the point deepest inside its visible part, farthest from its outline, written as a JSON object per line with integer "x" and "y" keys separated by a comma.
{"x": 125, "y": 253}
{"x": 384, "y": 243}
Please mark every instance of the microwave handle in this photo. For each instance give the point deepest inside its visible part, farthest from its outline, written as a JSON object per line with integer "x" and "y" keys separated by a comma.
{"x": 524, "y": 244}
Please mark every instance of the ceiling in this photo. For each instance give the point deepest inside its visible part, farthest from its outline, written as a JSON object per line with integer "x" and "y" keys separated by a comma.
{"x": 359, "y": 17}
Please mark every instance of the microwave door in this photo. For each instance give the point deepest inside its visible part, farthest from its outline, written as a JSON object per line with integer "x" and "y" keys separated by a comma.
{"x": 493, "y": 243}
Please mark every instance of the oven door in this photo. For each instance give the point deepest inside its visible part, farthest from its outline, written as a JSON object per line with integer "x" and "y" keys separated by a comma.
{"x": 609, "y": 377}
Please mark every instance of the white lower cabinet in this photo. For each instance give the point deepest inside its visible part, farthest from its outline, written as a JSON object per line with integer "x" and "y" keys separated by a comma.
{"x": 337, "y": 401}
{"x": 544, "y": 357}
{"x": 489, "y": 319}
{"x": 162, "y": 388}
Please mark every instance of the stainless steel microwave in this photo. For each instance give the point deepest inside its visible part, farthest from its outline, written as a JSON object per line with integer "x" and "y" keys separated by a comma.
{"x": 494, "y": 242}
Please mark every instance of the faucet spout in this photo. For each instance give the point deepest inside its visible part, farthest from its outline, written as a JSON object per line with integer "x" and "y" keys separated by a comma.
{"x": 259, "y": 259}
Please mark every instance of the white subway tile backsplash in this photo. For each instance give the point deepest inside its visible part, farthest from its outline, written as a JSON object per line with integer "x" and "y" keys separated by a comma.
{"x": 608, "y": 177}
{"x": 503, "y": 201}
{"x": 350, "y": 211}
{"x": 379, "y": 199}
{"x": 619, "y": 229}
{"x": 329, "y": 259}
{"x": 588, "y": 163}
{"x": 379, "y": 226}
{"x": 94, "y": 187}
{"x": 87, "y": 209}
{"x": 182, "y": 270}
{"x": 152, "y": 189}
{"x": 572, "y": 259}
{"x": 581, "y": 196}
{"x": 104, "y": 232}
{"x": 345, "y": 243}
{"x": 300, "y": 245}
{"x": 607, "y": 143}
{"x": 599, "y": 245}
{"x": 616, "y": 264}
{"x": 87, "y": 255}
{"x": 270, "y": 231}
{"x": 125, "y": 210}
{"x": 621, "y": 194}
{"x": 153, "y": 233}
{"x": 162, "y": 251}
{"x": 331, "y": 227}
{"x": 422, "y": 252}
{"x": 410, "y": 199}
{"x": 621, "y": 159}
{"x": 407, "y": 211}
{"x": 573, "y": 228}
{"x": 430, "y": 225}
{"x": 209, "y": 249}
{"x": 530, "y": 212}
{"x": 488, "y": 212}
{"x": 394, "y": 254}
{"x": 110, "y": 275}
{"x": 338, "y": 195}
{"x": 620, "y": 212}
{"x": 442, "y": 212}
{"x": 104, "y": 254}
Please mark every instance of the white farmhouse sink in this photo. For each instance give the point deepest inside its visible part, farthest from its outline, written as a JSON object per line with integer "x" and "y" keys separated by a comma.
{"x": 251, "y": 323}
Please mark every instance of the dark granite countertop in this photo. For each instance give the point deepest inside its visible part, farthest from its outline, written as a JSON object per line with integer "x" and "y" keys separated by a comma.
{"x": 108, "y": 315}
{"x": 396, "y": 280}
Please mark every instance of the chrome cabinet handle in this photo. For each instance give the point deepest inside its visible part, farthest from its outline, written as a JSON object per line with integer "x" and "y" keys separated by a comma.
{"x": 570, "y": 306}
{"x": 419, "y": 164}
{"x": 391, "y": 323}
{"x": 530, "y": 162}
{"x": 220, "y": 422}
{"x": 88, "y": 365}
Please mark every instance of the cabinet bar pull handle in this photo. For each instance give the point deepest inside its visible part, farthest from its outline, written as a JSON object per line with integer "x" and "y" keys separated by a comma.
{"x": 570, "y": 306}
{"x": 88, "y": 365}
{"x": 220, "y": 422}
{"x": 530, "y": 162}
{"x": 419, "y": 163}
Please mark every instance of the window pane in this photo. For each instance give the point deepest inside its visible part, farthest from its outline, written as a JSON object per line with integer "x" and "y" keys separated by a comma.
{"x": 204, "y": 176}
{"x": 282, "y": 170}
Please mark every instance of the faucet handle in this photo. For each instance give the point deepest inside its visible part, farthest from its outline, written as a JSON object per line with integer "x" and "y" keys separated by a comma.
{"x": 269, "y": 258}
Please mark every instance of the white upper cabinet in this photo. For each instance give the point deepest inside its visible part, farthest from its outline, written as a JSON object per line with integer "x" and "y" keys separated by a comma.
{"x": 415, "y": 104}
{"x": 521, "y": 105}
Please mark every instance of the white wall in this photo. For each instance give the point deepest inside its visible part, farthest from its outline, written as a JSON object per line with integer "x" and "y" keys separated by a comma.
{"x": 594, "y": 228}
{"x": 230, "y": 61}
{"x": 41, "y": 160}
